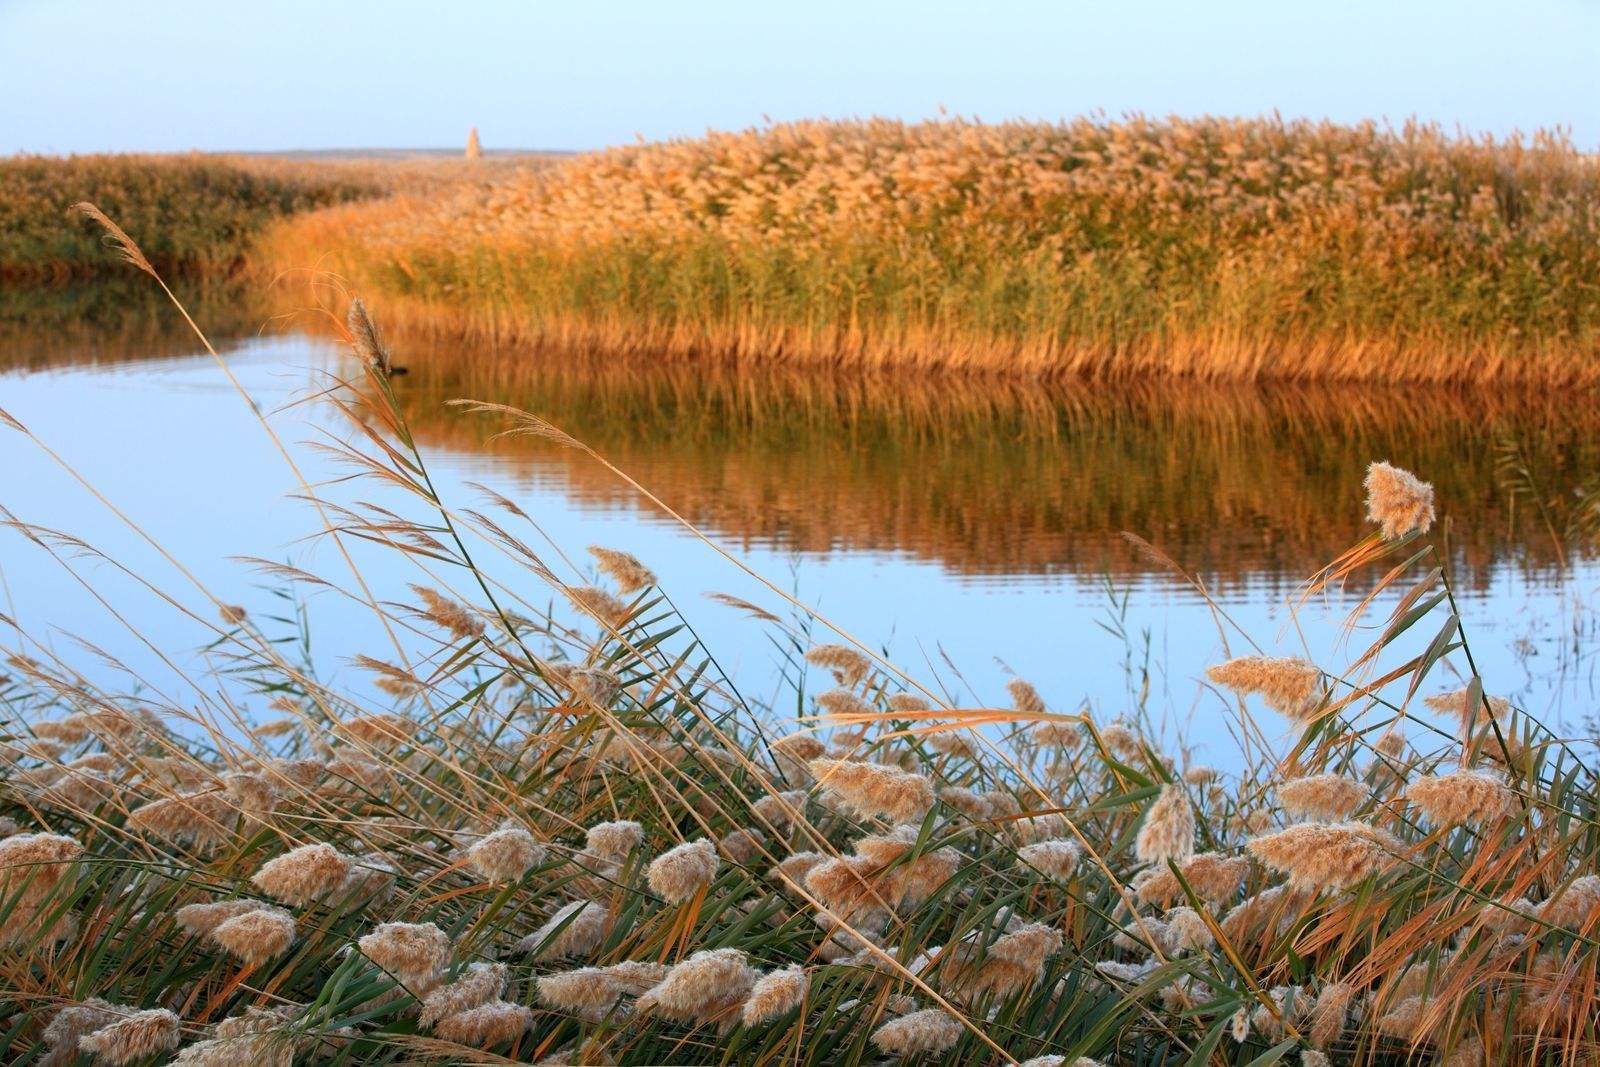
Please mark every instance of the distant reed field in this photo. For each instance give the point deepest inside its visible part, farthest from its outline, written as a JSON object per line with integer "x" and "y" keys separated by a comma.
{"x": 539, "y": 824}
{"x": 1216, "y": 248}
{"x": 197, "y": 213}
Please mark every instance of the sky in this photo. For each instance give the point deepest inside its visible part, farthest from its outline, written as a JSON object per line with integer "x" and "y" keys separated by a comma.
{"x": 173, "y": 75}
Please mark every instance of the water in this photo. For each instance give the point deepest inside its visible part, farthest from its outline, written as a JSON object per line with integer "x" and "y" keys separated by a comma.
{"x": 971, "y": 529}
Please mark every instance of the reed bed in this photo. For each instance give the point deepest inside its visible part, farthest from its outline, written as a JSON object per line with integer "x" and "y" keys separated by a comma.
{"x": 198, "y": 211}
{"x": 548, "y": 829}
{"x": 1218, "y": 248}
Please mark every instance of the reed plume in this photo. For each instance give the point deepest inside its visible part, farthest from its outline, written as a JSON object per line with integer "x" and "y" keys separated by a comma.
{"x": 1398, "y": 501}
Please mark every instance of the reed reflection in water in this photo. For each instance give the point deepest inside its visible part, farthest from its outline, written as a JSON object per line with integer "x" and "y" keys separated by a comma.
{"x": 1246, "y": 487}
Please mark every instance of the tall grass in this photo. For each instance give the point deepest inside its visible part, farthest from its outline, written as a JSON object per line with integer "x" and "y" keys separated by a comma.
{"x": 200, "y": 212}
{"x": 1215, "y": 248}
{"x": 885, "y": 872}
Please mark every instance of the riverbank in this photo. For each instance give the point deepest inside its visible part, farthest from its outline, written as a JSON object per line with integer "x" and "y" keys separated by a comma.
{"x": 1215, "y": 248}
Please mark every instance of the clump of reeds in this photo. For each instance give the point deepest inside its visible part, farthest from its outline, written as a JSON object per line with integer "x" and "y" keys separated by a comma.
{"x": 1218, "y": 247}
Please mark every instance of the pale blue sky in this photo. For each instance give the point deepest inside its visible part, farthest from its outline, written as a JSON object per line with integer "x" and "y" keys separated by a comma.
{"x": 96, "y": 75}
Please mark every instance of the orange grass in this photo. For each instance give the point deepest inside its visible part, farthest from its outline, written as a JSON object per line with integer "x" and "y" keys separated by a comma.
{"x": 1215, "y": 248}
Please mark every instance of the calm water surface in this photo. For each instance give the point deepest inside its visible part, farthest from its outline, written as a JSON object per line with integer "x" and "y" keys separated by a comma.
{"x": 972, "y": 529}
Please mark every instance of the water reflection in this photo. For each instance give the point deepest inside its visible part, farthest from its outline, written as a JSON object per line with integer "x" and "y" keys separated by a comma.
{"x": 992, "y": 479}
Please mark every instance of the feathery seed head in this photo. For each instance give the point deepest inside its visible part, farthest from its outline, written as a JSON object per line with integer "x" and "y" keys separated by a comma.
{"x": 576, "y": 929}
{"x": 929, "y": 1030}
{"x": 415, "y": 953}
{"x": 681, "y": 872}
{"x": 703, "y": 988}
{"x": 1473, "y": 796}
{"x": 1168, "y": 830}
{"x": 630, "y": 575}
{"x": 494, "y": 1023}
{"x": 255, "y": 936}
{"x": 304, "y": 874}
{"x": 506, "y": 854}
{"x": 613, "y": 840}
{"x": 874, "y": 790}
{"x": 1056, "y": 858}
{"x": 1292, "y": 687}
{"x": 479, "y": 984}
{"x": 774, "y": 995}
{"x": 1318, "y": 856}
{"x": 132, "y": 1038}
{"x": 446, "y": 614}
{"x": 1325, "y": 797}
{"x": 847, "y": 665}
{"x": 1398, "y": 500}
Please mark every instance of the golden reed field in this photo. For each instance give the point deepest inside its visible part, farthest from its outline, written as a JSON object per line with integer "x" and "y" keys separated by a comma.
{"x": 1215, "y": 248}
{"x": 538, "y": 824}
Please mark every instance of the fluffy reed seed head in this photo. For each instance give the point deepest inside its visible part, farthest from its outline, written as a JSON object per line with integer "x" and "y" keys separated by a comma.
{"x": 1324, "y": 856}
{"x": 365, "y": 340}
{"x": 681, "y": 872}
{"x": 495, "y": 1023}
{"x": 1290, "y": 686}
{"x": 255, "y": 936}
{"x": 1473, "y": 797}
{"x": 1057, "y": 858}
{"x": 904, "y": 702}
{"x": 133, "y": 1038}
{"x": 703, "y": 988}
{"x": 382, "y": 730}
{"x": 72, "y": 1023}
{"x": 847, "y": 886}
{"x": 601, "y": 604}
{"x": 630, "y": 575}
{"x": 742, "y": 846}
{"x": 613, "y": 841}
{"x": 589, "y": 992}
{"x": 874, "y": 790}
{"x": 479, "y": 984}
{"x": 1122, "y": 740}
{"x": 415, "y": 953}
{"x": 1329, "y": 1013}
{"x": 1213, "y": 877}
{"x": 455, "y": 619}
{"x": 843, "y": 702}
{"x": 1025, "y": 698}
{"x": 774, "y": 995}
{"x": 1577, "y": 907}
{"x": 793, "y": 869}
{"x": 847, "y": 665}
{"x": 637, "y": 976}
{"x": 200, "y": 919}
{"x": 1469, "y": 713}
{"x": 1016, "y": 961}
{"x": 205, "y": 817}
{"x": 1168, "y": 830}
{"x": 304, "y": 874}
{"x": 775, "y": 808}
{"x": 1189, "y": 932}
{"x": 37, "y": 861}
{"x": 506, "y": 854}
{"x": 1324, "y": 797}
{"x": 1398, "y": 500}
{"x": 251, "y": 792}
{"x": 929, "y": 1030}
{"x": 576, "y": 929}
